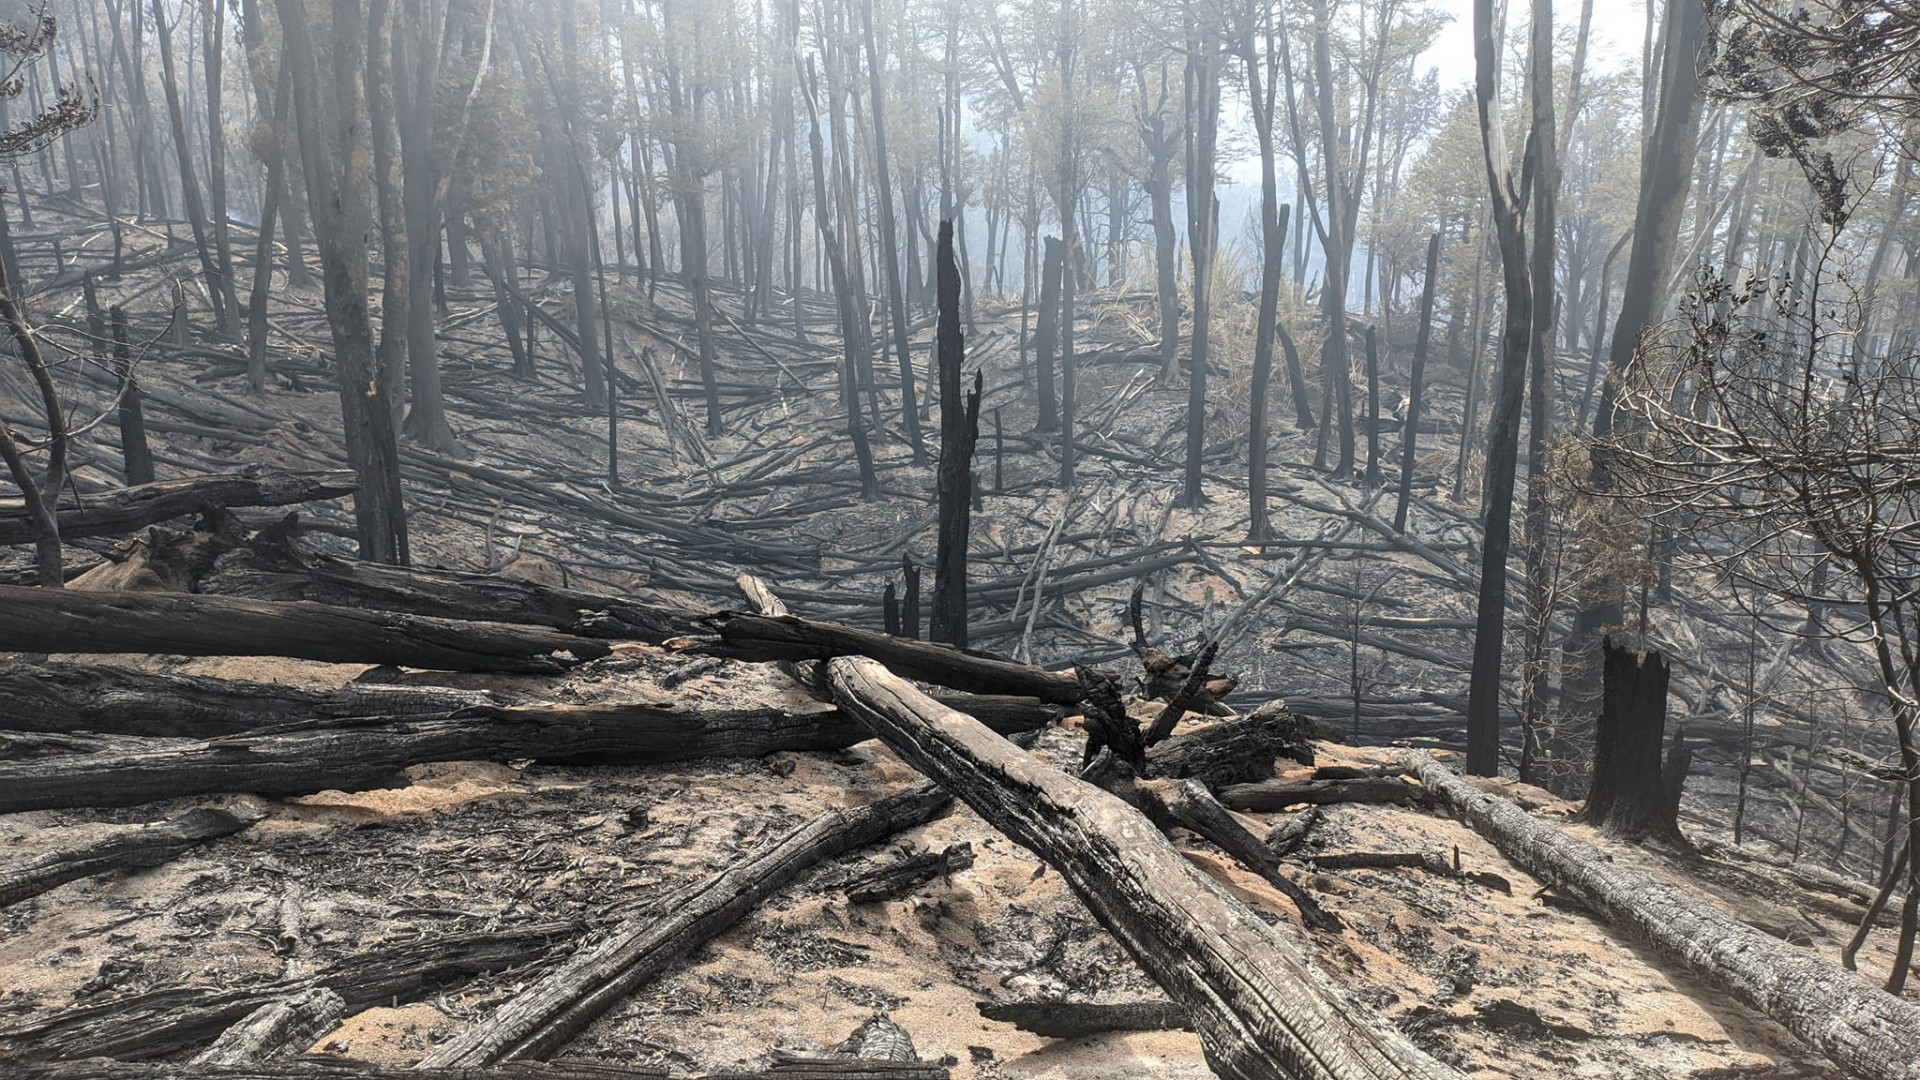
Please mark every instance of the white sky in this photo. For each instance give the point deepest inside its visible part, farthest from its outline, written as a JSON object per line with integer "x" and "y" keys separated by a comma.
{"x": 1618, "y": 29}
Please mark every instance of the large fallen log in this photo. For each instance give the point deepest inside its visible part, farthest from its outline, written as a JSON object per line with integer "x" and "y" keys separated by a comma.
{"x": 1868, "y": 1032}
{"x": 357, "y": 753}
{"x": 1261, "y": 1007}
{"x": 125, "y": 847}
{"x": 57, "y": 696}
{"x": 320, "y": 1069}
{"x": 65, "y": 697}
{"x": 544, "y": 1016}
{"x": 765, "y": 638}
{"x": 165, "y": 1022}
{"x": 448, "y": 594}
{"x": 276, "y": 1028}
{"x": 1267, "y": 796}
{"x": 130, "y": 509}
{"x": 187, "y": 624}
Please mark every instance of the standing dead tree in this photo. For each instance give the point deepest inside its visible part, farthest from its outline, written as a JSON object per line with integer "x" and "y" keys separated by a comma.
{"x": 22, "y": 42}
{"x": 959, "y": 430}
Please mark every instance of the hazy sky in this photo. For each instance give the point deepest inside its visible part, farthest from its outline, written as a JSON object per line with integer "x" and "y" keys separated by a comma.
{"x": 1618, "y": 28}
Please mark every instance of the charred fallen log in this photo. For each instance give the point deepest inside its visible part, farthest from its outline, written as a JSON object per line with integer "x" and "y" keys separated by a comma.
{"x": 1868, "y": 1032}
{"x": 1261, "y": 1008}
{"x": 64, "y": 697}
{"x": 168, "y": 1021}
{"x": 289, "y": 1024}
{"x": 357, "y": 753}
{"x": 130, "y": 509}
{"x": 67, "y": 621}
{"x": 311, "y": 1069}
{"x": 543, "y": 1017}
{"x": 1075, "y": 1019}
{"x": 447, "y": 594}
{"x": 764, "y": 638}
{"x": 1267, "y": 796}
{"x": 125, "y": 847}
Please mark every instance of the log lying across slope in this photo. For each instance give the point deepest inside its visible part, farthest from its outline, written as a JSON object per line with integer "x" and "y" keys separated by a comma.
{"x": 449, "y": 594}
{"x": 767, "y": 638}
{"x": 65, "y": 697}
{"x": 125, "y": 847}
{"x": 310, "y": 1069}
{"x": 1263, "y": 1011}
{"x": 130, "y": 509}
{"x": 357, "y": 753}
{"x": 165, "y": 1022}
{"x": 1865, "y": 1030}
{"x": 66, "y": 621}
{"x": 543, "y": 1017}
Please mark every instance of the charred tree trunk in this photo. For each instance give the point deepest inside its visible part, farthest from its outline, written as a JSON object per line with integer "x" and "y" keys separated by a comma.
{"x": 959, "y": 430}
{"x": 1045, "y": 335}
{"x": 1629, "y": 796}
{"x": 133, "y": 423}
{"x": 1416, "y": 385}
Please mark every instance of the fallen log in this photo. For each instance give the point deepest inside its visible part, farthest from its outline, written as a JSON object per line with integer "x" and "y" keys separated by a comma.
{"x": 125, "y": 848}
{"x": 130, "y": 509}
{"x": 448, "y": 594}
{"x": 1868, "y": 1032}
{"x": 1261, "y": 1008}
{"x": 903, "y": 876}
{"x": 65, "y": 697}
{"x": 358, "y": 753}
{"x": 291, "y": 1023}
{"x": 763, "y": 638}
{"x": 168, "y": 1021}
{"x": 320, "y": 1069}
{"x": 1267, "y": 796}
{"x": 187, "y": 624}
{"x": 544, "y": 1016}
{"x": 1075, "y": 1019}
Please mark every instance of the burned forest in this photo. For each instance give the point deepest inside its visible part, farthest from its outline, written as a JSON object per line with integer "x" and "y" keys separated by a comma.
{"x": 959, "y": 539}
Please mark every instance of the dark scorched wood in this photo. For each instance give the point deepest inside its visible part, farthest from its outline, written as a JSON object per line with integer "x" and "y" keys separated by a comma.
{"x": 357, "y": 753}
{"x": 448, "y": 594}
{"x": 125, "y": 847}
{"x": 543, "y": 1017}
{"x": 1262, "y": 1009}
{"x": 130, "y": 509}
{"x": 168, "y": 1021}
{"x": 763, "y": 638}
{"x": 66, "y": 621}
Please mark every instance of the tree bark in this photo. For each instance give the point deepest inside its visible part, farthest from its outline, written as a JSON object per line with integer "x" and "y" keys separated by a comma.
{"x": 288, "y": 1025}
{"x": 1867, "y": 1032}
